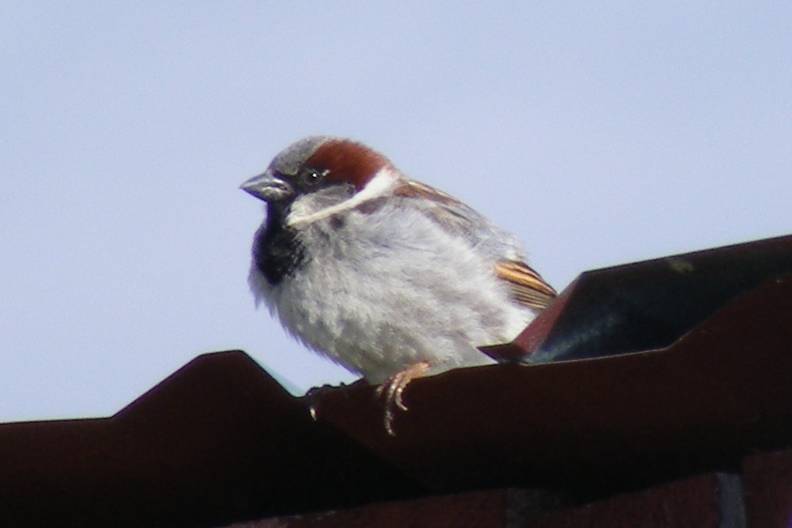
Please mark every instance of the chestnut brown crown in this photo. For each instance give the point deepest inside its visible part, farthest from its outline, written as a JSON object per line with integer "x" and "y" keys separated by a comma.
{"x": 313, "y": 163}
{"x": 336, "y": 160}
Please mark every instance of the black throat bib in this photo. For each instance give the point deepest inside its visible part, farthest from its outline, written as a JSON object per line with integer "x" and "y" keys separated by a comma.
{"x": 277, "y": 251}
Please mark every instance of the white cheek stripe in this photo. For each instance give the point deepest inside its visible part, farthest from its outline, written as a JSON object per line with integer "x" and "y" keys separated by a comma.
{"x": 382, "y": 182}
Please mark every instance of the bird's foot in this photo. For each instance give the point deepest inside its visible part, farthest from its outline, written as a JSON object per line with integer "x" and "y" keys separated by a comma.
{"x": 314, "y": 395}
{"x": 393, "y": 389}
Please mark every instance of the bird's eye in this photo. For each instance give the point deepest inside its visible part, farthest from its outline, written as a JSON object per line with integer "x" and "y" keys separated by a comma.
{"x": 312, "y": 176}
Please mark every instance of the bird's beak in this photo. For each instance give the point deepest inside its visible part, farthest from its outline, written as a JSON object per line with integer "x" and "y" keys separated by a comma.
{"x": 268, "y": 187}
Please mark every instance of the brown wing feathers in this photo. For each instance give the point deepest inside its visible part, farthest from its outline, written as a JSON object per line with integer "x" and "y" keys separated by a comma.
{"x": 527, "y": 286}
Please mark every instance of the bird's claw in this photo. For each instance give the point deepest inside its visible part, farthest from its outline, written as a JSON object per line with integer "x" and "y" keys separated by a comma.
{"x": 313, "y": 396}
{"x": 393, "y": 392}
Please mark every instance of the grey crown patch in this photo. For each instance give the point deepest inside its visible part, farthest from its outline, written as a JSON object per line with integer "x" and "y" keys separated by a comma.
{"x": 292, "y": 158}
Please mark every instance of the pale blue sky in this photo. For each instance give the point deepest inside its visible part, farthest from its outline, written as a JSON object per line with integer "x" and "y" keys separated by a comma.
{"x": 600, "y": 133}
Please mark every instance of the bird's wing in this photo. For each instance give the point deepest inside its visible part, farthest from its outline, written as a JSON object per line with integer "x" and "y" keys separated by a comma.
{"x": 526, "y": 285}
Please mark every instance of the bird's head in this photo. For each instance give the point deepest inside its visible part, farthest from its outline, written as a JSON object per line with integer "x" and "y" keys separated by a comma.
{"x": 321, "y": 172}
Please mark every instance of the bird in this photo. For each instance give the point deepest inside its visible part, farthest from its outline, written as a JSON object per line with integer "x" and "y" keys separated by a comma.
{"x": 389, "y": 277}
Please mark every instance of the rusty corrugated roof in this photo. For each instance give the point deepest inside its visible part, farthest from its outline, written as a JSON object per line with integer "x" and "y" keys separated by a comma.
{"x": 220, "y": 441}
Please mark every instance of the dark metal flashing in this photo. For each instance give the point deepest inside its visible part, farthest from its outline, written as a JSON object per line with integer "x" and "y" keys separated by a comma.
{"x": 219, "y": 441}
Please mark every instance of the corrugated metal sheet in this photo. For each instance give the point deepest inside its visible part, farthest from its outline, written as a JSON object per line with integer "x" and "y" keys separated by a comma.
{"x": 220, "y": 441}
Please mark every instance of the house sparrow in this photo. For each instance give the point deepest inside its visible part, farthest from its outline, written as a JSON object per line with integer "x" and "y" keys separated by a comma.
{"x": 385, "y": 275}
